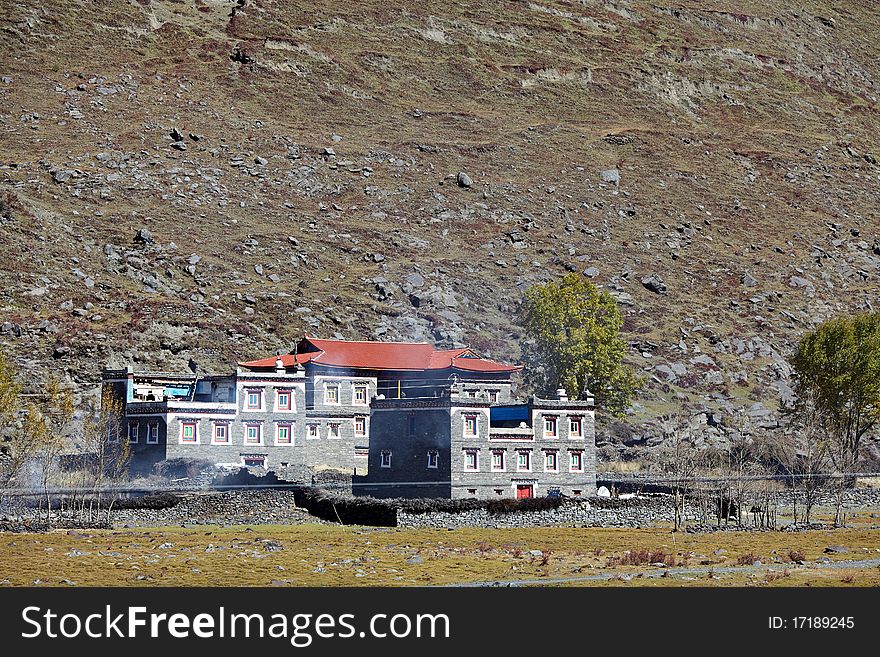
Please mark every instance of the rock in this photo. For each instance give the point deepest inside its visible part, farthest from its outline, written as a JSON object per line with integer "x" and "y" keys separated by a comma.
{"x": 464, "y": 180}
{"x": 262, "y": 161}
{"x": 61, "y": 351}
{"x": 536, "y": 553}
{"x": 176, "y": 134}
{"x": 654, "y": 283}
{"x": 62, "y": 175}
{"x": 611, "y": 176}
{"x": 603, "y": 492}
{"x": 836, "y": 549}
{"x": 258, "y": 269}
{"x": 415, "y": 560}
{"x": 194, "y": 259}
{"x": 748, "y": 280}
{"x": 415, "y": 279}
{"x": 143, "y": 236}
{"x": 591, "y": 272}
{"x": 275, "y": 278}
{"x": 179, "y": 145}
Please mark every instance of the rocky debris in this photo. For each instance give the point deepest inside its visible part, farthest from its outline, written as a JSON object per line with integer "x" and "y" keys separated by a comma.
{"x": 610, "y": 176}
{"x": 143, "y": 236}
{"x": 654, "y": 283}
{"x": 748, "y": 280}
{"x": 464, "y": 180}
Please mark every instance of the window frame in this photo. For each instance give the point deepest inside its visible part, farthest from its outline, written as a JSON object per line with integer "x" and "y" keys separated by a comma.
{"x": 284, "y": 425}
{"x": 195, "y": 437}
{"x": 153, "y": 436}
{"x": 468, "y": 453}
{"x": 553, "y": 420}
{"x": 383, "y": 461}
{"x": 571, "y": 456}
{"x": 313, "y": 431}
{"x": 358, "y": 387}
{"x": 225, "y": 427}
{"x": 289, "y": 406}
{"x": 436, "y": 460}
{"x": 253, "y": 425}
{"x": 249, "y": 392}
{"x": 554, "y": 455}
{"x": 503, "y": 454}
{"x": 362, "y": 431}
{"x": 528, "y": 455}
{"x": 133, "y": 435}
{"x": 579, "y": 420}
{"x": 327, "y": 388}
{"x": 467, "y": 419}
{"x": 330, "y": 430}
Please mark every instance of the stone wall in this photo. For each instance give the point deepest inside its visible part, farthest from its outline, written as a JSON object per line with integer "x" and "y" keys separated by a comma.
{"x": 636, "y": 512}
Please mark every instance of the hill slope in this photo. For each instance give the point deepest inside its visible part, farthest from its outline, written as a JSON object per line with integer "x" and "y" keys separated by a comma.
{"x": 311, "y": 183}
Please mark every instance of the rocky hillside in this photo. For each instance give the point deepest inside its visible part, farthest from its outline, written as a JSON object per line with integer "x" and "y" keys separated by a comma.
{"x": 211, "y": 179}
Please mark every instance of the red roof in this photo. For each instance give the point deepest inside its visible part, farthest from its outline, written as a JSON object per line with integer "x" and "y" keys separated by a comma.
{"x": 413, "y": 356}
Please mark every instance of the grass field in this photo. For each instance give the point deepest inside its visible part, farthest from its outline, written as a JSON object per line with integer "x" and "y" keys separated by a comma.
{"x": 326, "y": 555}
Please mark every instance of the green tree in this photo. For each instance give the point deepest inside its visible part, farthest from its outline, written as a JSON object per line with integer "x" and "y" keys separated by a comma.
{"x": 837, "y": 383}
{"x": 12, "y": 444}
{"x": 573, "y": 340}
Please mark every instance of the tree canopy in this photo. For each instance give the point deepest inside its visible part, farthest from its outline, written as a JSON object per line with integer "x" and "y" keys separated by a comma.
{"x": 837, "y": 380}
{"x": 572, "y": 332}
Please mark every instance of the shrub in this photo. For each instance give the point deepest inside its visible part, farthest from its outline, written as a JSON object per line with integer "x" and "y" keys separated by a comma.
{"x": 747, "y": 559}
{"x": 183, "y": 467}
{"x": 796, "y": 555}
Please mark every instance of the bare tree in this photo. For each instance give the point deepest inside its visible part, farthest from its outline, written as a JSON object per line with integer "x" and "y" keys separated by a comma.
{"x": 14, "y": 447}
{"x": 107, "y": 453}
{"x": 678, "y": 463}
{"x": 45, "y": 426}
{"x": 807, "y": 457}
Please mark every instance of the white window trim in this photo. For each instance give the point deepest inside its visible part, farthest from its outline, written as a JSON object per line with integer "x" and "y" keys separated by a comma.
{"x": 382, "y": 455}
{"x": 289, "y": 427}
{"x": 259, "y": 426}
{"x": 309, "y": 435}
{"x": 247, "y": 398}
{"x": 547, "y": 455}
{"x": 265, "y": 458}
{"x": 571, "y": 467}
{"x": 555, "y": 420}
{"x": 338, "y": 426}
{"x": 436, "y": 454}
{"x": 366, "y": 389}
{"x": 214, "y": 440}
{"x": 464, "y": 425}
{"x": 133, "y": 437}
{"x": 503, "y": 467}
{"x": 366, "y": 431}
{"x": 529, "y": 457}
{"x": 289, "y": 393}
{"x": 476, "y": 454}
{"x": 327, "y": 386}
{"x": 150, "y": 439}
{"x": 196, "y": 432}
{"x": 580, "y": 433}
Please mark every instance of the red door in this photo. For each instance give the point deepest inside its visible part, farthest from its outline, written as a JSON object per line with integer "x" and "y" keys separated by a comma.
{"x": 523, "y": 490}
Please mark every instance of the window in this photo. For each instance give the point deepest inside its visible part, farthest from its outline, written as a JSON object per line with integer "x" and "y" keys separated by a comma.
{"x": 254, "y": 401}
{"x": 523, "y": 461}
{"x": 220, "y": 434}
{"x": 576, "y": 492}
{"x": 360, "y": 426}
{"x": 284, "y": 400}
{"x": 360, "y": 394}
{"x": 284, "y": 435}
{"x": 551, "y": 462}
{"x": 331, "y": 394}
{"x": 498, "y": 464}
{"x": 499, "y": 491}
{"x": 471, "y": 460}
{"x": 411, "y": 425}
{"x": 132, "y": 433}
{"x": 312, "y": 432}
{"x": 472, "y": 491}
{"x": 254, "y": 461}
{"x": 385, "y": 458}
{"x": 576, "y": 462}
{"x": 493, "y": 396}
{"x": 152, "y": 434}
{"x": 574, "y": 427}
{"x": 252, "y": 434}
{"x": 470, "y": 425}
{"x": 433, "y": 459}
{"x": 333, "y": 430}
{"x": 549, "y": 427}
{"x": 188, "y": 432}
